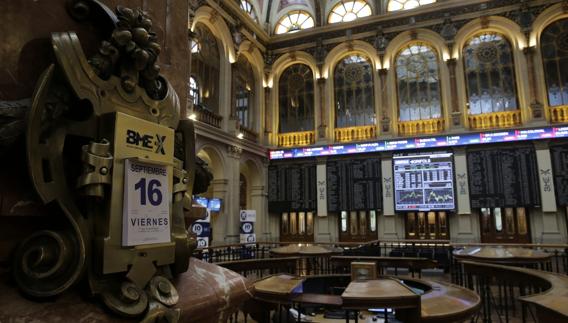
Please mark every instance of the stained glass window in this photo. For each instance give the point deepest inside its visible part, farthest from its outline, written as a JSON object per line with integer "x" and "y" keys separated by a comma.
{"x": 249, "y": 9}
{"x": 243, "y": 91}
{"x": 296, "y": 99}
{"x": 349, "y": 10}
{"x": 490, "y": 74}
{"x": 205, "y": 67}
{"x": 418, "y": 83}
{"x": 294, "y": 21}
{"x": 353, "y": 88}
{"x": 554, "y": 49}
{"x": 396, "y": 5}
{"x": 193, "y": 90}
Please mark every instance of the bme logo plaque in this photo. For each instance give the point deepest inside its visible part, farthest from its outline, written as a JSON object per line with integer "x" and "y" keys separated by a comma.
{"x": 146, "y": 141}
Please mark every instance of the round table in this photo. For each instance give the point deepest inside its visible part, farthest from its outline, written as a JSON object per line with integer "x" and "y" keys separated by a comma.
{"x": 512, "y": 256}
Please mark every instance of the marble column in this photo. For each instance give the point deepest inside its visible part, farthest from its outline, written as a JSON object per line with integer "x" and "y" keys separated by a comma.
{"x": 232, "y": 208}
{"x": 464, "y": 225}
{"x": 456, "y": 114}
{"x": 390, "y": 225}
{"x": 536, "y": 106}
{"x": 220, "y": 189}
{"x": 385, "y": 108}
{"x": 322, "y": 124}
{"x": 259, "y": 202}
{"x": 267, "y": 116}
{"x": 547, "y": 225}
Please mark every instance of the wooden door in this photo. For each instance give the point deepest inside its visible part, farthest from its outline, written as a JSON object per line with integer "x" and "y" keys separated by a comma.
{"x": 297, "y": 227}
{"x": 507, "y": 225}
{"x": 432, "y": 225}
{"x": 355, "y": 226}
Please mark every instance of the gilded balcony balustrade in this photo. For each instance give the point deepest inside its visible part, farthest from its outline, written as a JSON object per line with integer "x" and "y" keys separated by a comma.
{"x": 294, "y": 139}
{"x": 559, "y": 114}
{"x": 420, "y": 126}
{"x": 355, "y": 133}
{"x": 501, "y": 119}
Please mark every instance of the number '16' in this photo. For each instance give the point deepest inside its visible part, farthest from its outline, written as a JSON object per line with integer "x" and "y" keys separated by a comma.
{"x": 153, "y": 193}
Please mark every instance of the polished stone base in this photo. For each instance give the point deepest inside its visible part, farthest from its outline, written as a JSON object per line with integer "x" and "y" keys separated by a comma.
{"x": 208, "y": 293}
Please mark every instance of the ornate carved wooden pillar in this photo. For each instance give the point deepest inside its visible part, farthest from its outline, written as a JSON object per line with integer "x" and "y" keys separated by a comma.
{"x": 385, "y": 110}
{"x": 536, "y": 105}
{"x": 454, "y": 106}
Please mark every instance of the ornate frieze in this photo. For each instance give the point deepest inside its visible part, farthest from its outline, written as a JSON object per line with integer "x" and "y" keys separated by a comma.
{"x": 430, "y": 20}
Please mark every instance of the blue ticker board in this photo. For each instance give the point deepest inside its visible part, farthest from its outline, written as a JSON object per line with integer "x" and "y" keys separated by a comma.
{"x": 449, "y": 140}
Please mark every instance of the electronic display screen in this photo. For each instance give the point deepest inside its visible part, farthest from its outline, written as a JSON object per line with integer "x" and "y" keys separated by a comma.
{"x": 203, "y": 201}
{"x": 215, "y": 205}
{"x": 473, "y": 138}
{"x": 424, "y": 181}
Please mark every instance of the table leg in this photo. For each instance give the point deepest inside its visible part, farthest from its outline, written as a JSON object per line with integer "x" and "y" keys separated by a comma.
{"x": 299, "y": 312}
{"x": 346, "y": 316}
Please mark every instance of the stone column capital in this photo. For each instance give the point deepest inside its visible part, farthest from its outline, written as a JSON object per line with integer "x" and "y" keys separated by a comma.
{"x": 234, "y": 151}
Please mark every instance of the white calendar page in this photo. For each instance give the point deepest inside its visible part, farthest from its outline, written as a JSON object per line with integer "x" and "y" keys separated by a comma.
{"x": 146, "y": 218}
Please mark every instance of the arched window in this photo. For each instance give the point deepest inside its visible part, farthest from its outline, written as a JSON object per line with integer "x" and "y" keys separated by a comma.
{"x": 490, "y": 74}
{"x": 296, "y": 99}
{"x": 396, "y": 5}
{"x": 554, "y": 49}
{"x": 418, "y": 83}
{"x": 194, "y": 90}
{"x": 353, "y": 89}
{"x": 349, "y": 10}
{"x": 244, "y": 91}
{"x": 205, "y": 66}
{"x": 247, "y": 7}
{"x": 195, "y": 46}
{"x": 294, "y": 21}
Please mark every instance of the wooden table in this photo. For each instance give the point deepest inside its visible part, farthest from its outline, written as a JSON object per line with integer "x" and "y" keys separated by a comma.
{"x": 413, "y": 264}
{"x": 446, "y": 303}
{"x": 278, "y": 290}
{"x": 551, "y": 303}
{"x": 382, "y": 293}
{"x": 514, "y": 256}
{"x": 316, "y": 299}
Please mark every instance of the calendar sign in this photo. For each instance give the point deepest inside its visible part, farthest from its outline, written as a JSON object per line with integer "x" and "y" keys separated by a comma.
{"x": 146, "y": 204}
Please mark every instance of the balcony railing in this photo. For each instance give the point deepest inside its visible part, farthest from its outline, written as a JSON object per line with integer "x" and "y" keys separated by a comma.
{"x": 559, "y": 114}
{"x": 420, "y": 126}
{"x": 207, "y": 116}
{"x": 248, "y": 134}
{"x": 502, "y": 119}
{"x": 293, "y": 139}
{"x": 355, "y": 133}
